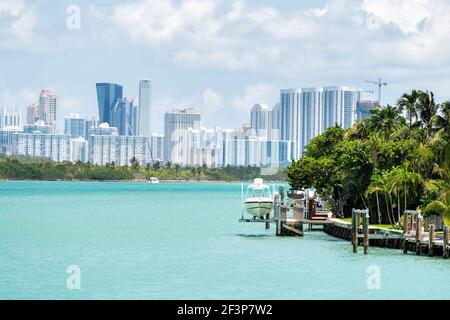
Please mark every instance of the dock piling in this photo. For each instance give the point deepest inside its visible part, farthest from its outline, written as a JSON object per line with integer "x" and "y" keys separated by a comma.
{"x": 354, "y": 232}
{"x": 418, "y": 233}
{"x": 366, "y": 232}
{"x": 431, "y": 236}
{"x": 277, "y": 213}
{"x": 445, "y": 244}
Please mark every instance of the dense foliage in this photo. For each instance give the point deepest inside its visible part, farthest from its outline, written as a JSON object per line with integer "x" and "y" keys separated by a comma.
{"x": 387, "y": 162}
{"x": 26, "y": 168}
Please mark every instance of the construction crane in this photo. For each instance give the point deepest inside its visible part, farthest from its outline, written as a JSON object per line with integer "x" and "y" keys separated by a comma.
{"x": 380, "y": 85}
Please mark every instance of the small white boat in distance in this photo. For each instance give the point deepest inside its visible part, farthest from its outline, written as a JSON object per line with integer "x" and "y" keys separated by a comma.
{"x": 153, "y": 180}
{"x": 258, "y": 200}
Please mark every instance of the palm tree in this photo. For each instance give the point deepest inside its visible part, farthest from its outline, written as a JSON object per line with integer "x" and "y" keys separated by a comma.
{"x": 408, "y": 102}
{"x": 156, "y": 166}
{"x": 428, "y": 109}
{"x": 385, "y": 120}
{"x": 442, "y": 120}
{"x": 379, "y": 185}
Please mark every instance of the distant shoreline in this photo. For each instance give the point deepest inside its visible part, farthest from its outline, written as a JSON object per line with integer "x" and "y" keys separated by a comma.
{"x": 138, "y": 181}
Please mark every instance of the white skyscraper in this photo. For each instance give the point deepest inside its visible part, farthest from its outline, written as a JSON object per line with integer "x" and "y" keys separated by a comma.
{"x": 307, "y": 113}
{"x": 52, "y": 146}
{"x": 176, "y": 124}
{"x": 312, "y": 114}
{"x": 291, "y": 119}
{"x": 340, "y": 105}
{"x": 260, "y": 119}
{"x": 144, "y": 113}
{"x": 47, "y": 107}
{"x": 74, "y": 125}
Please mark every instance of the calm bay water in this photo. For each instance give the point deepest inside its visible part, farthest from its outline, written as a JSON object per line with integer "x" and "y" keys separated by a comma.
{"x": 182, "y": 241}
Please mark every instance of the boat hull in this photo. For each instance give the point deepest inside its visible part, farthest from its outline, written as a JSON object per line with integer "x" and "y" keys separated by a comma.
{"x": 258, "y": 208}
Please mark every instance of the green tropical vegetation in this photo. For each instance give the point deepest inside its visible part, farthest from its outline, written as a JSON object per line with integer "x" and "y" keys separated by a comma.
{"x": 396, "y": 159}
{"x": 27, "y": 168}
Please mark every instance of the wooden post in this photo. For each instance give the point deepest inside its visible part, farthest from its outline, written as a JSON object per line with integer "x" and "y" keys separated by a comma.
{"x": 431, "y": 240}
{"x": 405, "y": 223}
{"x": 366, "y": 231}
{"x": 418, "y": 233}
{"x": 446, "y": 245}
{"x": 354, "y": 232}
{"x": 405, "y": 245}
{"x": 267, "y": 222}
{"x": 276, "y": 213}
{"x": 281, "y": 191}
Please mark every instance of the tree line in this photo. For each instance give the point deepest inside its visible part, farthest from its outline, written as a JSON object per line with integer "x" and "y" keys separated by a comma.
{"x": 28, "y": 168}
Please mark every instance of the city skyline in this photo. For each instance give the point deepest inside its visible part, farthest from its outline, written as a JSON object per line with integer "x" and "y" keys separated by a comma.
{"x": 246, "y": 53}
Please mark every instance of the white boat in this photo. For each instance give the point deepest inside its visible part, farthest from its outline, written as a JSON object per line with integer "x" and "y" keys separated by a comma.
{"x": 153, "y": 180}
{"x": 258, "y": 200}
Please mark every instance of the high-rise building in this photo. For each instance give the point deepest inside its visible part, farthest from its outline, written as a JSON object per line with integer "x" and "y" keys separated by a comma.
{"x": 91, "y": 122}
{"x": 306, "y": 113}
{"x": 10, "y": 119}
{"x": 256, "y": 152}
{"x": 275, "y": 122}
{"x": 290, "y": 119}
{"x": 79, "y": 150}
{"x": 340, "y": 106}
{"x": 156, "y": 148}
{"x": 364, "y": 107}
{"x": 107, "y": 96}
{"x": 6, "y": 139}
{"x": 32, "y": 114}
{"x": 120, "y": 150}
{"x": 144, "y": 113}
{"x": 52, "y": 146}
{"x": 260, "y": 119}
{"x": 74, "y": 126}
{"x": 176, "y": 123}
{"x": 312, "y": 115}
{"x": 124, "y": 117}
{"x": 204, "y": 147}
{"x": 47, "y": 107}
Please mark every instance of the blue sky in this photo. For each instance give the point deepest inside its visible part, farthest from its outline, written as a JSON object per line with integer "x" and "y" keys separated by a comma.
{"x": 219, "y": 56}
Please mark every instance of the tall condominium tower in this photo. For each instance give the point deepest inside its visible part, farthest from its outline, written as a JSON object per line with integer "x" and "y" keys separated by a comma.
{"x": 312, "y": 118}
{"x": 144, "y": 113}
{"x": 260, "y": 119}
{"x": 74, "y": 126}
{"x": 340, "y": 106}
{"x": 306, "y": 113}
{"x": 47, "y": 107}
{"x": 107, "y": 96}
{"x": 291, "y": 119}
{"x": 176, "y": 124}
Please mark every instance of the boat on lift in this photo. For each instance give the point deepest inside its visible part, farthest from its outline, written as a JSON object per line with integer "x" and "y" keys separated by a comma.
{"x": 258, "y": 200}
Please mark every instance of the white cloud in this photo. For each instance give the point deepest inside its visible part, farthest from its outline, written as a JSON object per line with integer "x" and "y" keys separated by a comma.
{"x": 240, "y": 36}
{"x": 17, "y": 24}
{"x": 212, "y": 100}
{"x": 257, "y": 93}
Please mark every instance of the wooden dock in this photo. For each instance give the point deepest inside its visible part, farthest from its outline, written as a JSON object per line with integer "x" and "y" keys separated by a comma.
{"x": 411, "y": 239}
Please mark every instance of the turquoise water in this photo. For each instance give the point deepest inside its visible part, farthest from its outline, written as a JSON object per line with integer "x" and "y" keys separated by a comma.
{"x": 182, "y": 241}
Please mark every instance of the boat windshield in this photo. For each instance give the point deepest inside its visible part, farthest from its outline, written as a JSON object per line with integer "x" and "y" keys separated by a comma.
{"x": 258, "y": 191}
